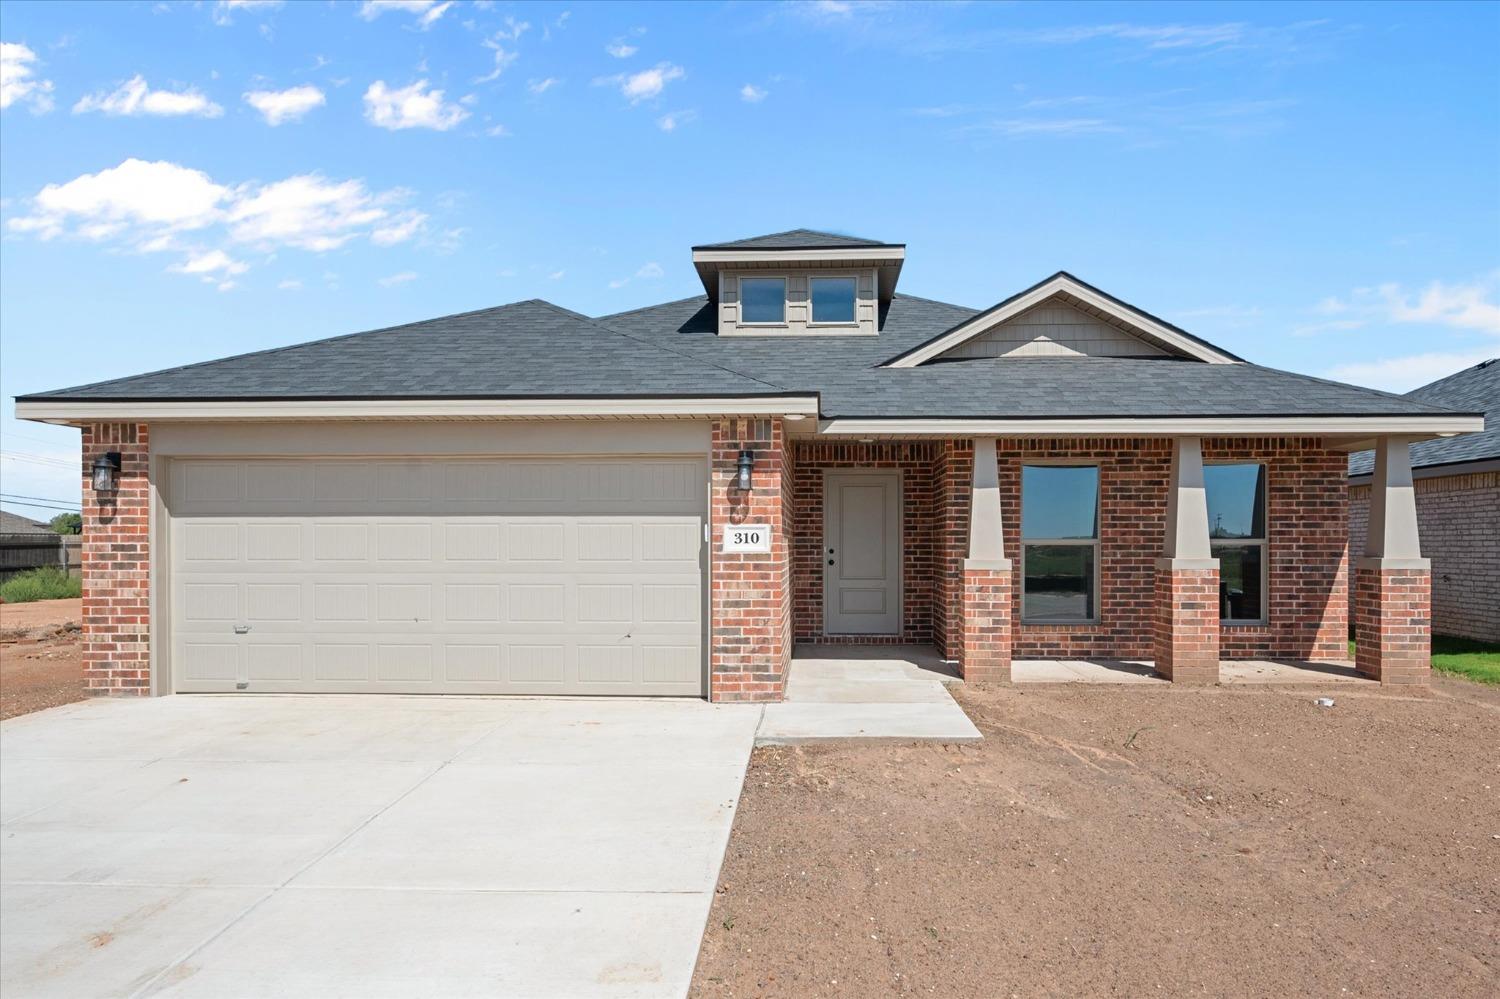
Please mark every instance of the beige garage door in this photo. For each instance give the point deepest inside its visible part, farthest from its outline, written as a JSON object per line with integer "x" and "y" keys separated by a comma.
{"x": 501, "y": 576}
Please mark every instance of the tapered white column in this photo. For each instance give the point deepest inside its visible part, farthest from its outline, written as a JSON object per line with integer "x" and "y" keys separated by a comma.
{"x": 1393, "y": 542}
{"x": 1186, "y": 541}
{"x": 986, "y": 521}
{"x": 1187, "y": 576}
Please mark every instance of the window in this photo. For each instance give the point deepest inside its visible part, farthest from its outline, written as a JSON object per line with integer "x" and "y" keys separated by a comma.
{"x": 1236, "y": 497}
{"x": 762, "y": 300}
{"x": 1059, "y": 543}
{"x": 833, "y": 300}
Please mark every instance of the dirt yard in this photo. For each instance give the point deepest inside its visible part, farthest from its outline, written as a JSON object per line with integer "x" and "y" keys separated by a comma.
{"x": 41, "y": 655}
{"x": 1127, "y": 842}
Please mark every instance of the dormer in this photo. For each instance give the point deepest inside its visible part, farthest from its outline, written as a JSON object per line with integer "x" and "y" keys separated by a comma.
{"x": 799, "y": 283}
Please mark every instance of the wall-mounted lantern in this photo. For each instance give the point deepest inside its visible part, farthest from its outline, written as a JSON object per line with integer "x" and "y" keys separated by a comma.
{"x": 106, "y": 471}
{"x": 745, "y": 464}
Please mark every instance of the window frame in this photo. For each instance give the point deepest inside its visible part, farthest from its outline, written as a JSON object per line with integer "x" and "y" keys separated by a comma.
{"x": 1263, "y": 543}
{"x": 740, "y": 299}
{"x": 852, "y": 322}
{"x": 1097, "y": 541}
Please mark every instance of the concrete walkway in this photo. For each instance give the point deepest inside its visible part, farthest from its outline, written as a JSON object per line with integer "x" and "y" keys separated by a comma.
{"x": 363, "y": 846}
{"x": 869, "y": 693}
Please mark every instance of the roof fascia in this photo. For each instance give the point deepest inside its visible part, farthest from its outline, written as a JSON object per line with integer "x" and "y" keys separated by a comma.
{"x": 1362, "y": 427}
{"x": 1061, "y": 283}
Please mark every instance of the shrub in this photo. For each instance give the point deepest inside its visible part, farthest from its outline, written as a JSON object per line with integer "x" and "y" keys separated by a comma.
{"x": 67, "y": 523}
{"x": 47, "y": 583}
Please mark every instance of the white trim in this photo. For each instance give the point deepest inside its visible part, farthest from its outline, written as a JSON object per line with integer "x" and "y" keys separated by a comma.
{"x": 1142, "y": 426}
{"x": 1088, "y": 296}
{"x": 792, "y": 256}
{"x": 395, "y": 409}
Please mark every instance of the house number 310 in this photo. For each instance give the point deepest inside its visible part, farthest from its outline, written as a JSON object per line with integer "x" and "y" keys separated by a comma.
{"x": 747, "y": 538}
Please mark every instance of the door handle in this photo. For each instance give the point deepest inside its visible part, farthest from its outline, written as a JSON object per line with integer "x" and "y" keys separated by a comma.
{"x": 242, "y": 629}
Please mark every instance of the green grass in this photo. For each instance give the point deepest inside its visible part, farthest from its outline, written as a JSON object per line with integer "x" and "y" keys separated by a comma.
{"x": 47, "y": 583}
{"x": 1463, "y": 657}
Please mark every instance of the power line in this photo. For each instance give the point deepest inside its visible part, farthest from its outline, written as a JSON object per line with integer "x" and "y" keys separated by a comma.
{"x": 40, "y": 499}
{"x": 41, "y": 506}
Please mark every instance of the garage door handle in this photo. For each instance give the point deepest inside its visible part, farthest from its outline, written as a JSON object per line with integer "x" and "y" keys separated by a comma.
{"x": 242, "y": 629}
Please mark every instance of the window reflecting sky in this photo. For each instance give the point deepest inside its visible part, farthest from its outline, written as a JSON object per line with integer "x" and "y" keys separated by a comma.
{"x": 762, "y": 300}
{"x": 833, "y": 300}
{"x": 1059, "y": 501}
{"x": 1236, "y": 500}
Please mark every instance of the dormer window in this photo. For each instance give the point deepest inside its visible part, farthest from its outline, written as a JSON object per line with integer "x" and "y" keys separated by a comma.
{"x": 833, "y": 300}
{"x": 763, "y": 301}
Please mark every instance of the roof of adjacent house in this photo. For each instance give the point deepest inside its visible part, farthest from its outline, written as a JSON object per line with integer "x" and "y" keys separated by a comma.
{"x": 1475, "y": 390}
{"x": 14, "y": 523}
{"x": 796, "y": 239}
{"x": 537, "y": 350}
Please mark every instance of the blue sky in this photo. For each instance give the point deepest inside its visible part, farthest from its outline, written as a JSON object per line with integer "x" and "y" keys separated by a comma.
{"x": 1314, "y": 186}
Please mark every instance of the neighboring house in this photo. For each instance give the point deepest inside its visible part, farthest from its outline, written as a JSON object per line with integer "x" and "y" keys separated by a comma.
{"x": 527, "y": 500}
{"x": 26, "y": 545}
{"x": 1457, "y": 483}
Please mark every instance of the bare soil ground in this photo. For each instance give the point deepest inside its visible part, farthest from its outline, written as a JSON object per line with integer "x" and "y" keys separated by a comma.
{"x": 41, "y": 655}
{"x": 1111, "y": 841}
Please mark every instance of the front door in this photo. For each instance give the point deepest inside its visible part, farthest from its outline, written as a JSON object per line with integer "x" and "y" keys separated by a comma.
{"x": 862, "y": 553}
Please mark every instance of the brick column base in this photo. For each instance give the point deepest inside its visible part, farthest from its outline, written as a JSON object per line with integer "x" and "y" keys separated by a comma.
{"x": 1392, "y": 621}
{"x": 1187, "y": 620}
{"x": 984, "y": 628}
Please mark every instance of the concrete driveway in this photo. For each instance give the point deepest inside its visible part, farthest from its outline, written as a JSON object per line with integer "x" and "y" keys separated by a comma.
{"x": 363, "y": 846}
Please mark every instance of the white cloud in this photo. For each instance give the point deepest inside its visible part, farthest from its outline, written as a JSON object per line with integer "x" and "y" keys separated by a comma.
{"x": 1019, "y": 127}
{"x": 290, "y": 284}
{"x": 542, "y": 86}
{"x": 157, "y": 207}
{"x": 427, "y": 11}
{"x": 647, "y": 272}
{"x": 1470, "y": 305}
{"x": 410, "y": 107}
{"x": 646, "y": 84}
{"x": 620, "y": 50}
{"x": 224, "y": 9}
{"x": 503, "y": 58}
{"x": 394, "y": 279}
{"x": 135, "y": 97}
{"x": 751, "y": 94}
{"x": 1159, "y": 36}
{"x": 497, "y": 131}
{"x": 556, "y": 275}
{"x": 18, "y": 80}
{"x": 1402, "y": 374}
{"x": 670, "y": 121}
{"x": 278, "y": 106}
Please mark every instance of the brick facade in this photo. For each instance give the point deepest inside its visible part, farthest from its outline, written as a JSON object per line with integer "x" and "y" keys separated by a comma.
{"x": 1457, "y": 518}
{"x": 1187, "y": 624}
{"x": 1392, "y": 615}
{"x": 117, "y": 563}
{"x": 750, "y": 595}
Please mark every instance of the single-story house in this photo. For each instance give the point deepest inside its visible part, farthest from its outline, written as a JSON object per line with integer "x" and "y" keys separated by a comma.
{"x": 1457, "y": 484}
{"x": 524, "y": 499}
{"x": 26, "y": 544}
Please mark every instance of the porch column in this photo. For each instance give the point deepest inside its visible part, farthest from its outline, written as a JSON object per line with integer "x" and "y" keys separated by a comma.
{"x": 1187, "y": 576}
{"x": 1393, "y": 582}
{"x": 985, "y": 601}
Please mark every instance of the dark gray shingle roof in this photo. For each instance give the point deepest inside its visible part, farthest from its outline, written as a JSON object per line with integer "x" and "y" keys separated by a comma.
{"x": 527, "y": 349}
{"x": 1473, "y": 390}
{"x": 14, "y": 523}
{"x": 796, "y": 239}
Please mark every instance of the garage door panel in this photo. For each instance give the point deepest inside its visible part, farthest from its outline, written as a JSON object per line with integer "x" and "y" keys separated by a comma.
{"x": 440, "y": 576}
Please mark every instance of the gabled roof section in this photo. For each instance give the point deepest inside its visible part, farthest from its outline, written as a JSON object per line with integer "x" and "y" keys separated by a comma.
{"x": 1475, "y": 390}
{"x": 796, "y": 239}
{"x": 1078, "y": 295}
{"x": 530, "y": 350}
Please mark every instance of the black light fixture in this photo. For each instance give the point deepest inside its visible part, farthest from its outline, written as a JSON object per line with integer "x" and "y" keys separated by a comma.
{"x": 106, "y": 472}
{"x": 745, "y": 464}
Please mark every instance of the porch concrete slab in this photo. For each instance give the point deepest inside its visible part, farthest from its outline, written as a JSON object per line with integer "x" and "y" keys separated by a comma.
{"x": 1302, "y": 671}
{"x": 866, "y": 693}
{"x": 381, "y": 944}
{"x": 182, "y": 865}
{"x": 1084, "y": 671}
{"x": 66, "y": 941}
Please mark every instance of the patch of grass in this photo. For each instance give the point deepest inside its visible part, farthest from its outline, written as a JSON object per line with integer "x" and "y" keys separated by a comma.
{"x": 1463, "y": 657}
{"x": 48, "y": 583}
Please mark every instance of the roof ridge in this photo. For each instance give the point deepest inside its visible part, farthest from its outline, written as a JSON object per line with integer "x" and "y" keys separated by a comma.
{"x": 671, "y": 350}
{"x": 266, "y": 351}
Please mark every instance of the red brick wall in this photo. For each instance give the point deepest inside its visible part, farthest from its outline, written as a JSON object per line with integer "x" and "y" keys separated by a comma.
{"x": 117, "y": 563}
{"x": 1392, "y": 624}
{"x": 750, "y": 594}
{"x": 984, "y": 650}
{"x": 1456, "y": 518}
{"x": 919, "y": 566}
{"x": 953, "y": 474}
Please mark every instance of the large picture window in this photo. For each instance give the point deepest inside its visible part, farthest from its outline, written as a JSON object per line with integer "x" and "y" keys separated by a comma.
{"x": 1059, "y": 543}
{"x": 1236, "y": 497}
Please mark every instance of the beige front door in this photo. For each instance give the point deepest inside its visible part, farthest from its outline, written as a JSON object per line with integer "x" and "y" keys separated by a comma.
{"x": 862, "y": 553}
{"x": 438, "y": 575}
